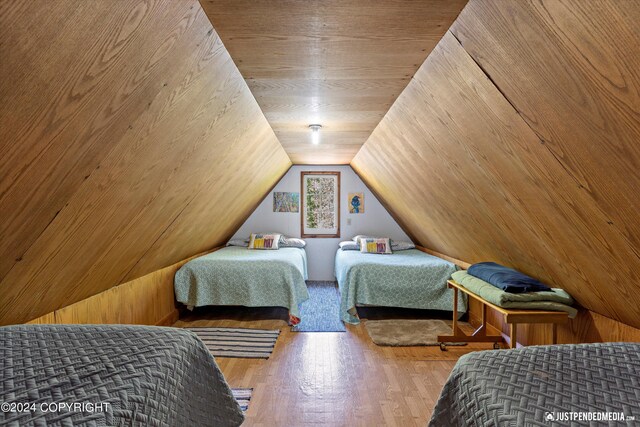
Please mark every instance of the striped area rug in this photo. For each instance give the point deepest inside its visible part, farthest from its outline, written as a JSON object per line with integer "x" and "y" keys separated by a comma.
{"x": 242, "y": 396}
{"x": 238, "y": 342}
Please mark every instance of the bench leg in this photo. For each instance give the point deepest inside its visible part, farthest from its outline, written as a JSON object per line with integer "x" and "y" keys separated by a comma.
{"x": 554, "y": 333}
{"x": 458, "y": 335}
{"x": 513, "y": 335}
{"x": 454, "y": 326}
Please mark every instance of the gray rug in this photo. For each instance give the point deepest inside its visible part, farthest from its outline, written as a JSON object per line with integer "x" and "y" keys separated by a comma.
{"x": 321, "y": 312}
{"x": 238, "y": 342}
{"x": 408, "y": 332}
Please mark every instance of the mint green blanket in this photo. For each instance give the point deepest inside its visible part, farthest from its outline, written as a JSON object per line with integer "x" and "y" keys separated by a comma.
{"x": 557, "y": 300}
{"x": 410, "y": 279}
{"x": 249, "y": 277}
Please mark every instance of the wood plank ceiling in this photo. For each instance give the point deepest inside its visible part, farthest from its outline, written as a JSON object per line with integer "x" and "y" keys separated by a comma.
{"x": 518, "y": 142}
{"x": 125, "y": 133}
{"x": 339, "y": 63}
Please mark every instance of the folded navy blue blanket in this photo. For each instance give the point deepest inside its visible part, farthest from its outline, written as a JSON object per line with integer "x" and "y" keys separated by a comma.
{"x": 507, "y": 279}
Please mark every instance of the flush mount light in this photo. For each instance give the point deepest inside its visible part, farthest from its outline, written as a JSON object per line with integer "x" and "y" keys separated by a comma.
{"x": 315, "y": 134}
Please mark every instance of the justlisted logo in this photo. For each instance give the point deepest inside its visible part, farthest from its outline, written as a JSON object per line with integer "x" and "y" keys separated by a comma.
{"x": 549, "y": 416}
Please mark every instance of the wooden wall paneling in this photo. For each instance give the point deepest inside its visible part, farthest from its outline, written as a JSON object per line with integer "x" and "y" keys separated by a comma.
{"x": 47, "y": 319}
{"x": 199, "y": 115}
{"x": 469, "y": 178}
{"x": 74, "y": 76}
{"x": 147, "y": 300}
{"x": 223, "y": 195}
{"x": 102, "y": 308}
{"x": 572, "y": 70}
{"x": 460, "y": 263}
{"x": 338, "y": 63}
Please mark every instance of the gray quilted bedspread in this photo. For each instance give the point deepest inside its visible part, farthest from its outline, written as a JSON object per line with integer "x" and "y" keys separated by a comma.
{"x": 112, "y": 375}
{"x": 539, "y": 386}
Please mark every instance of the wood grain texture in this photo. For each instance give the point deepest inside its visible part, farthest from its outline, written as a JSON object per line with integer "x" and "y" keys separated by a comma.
{"x": 571, "y": 69}
{"x": 469, "y": 177}
{"x": 128, "y": 140}
{"x": 329, "y": 379}
{"x": 47, "y": 319}
{"x": 147, "y": 300}
{"x": 338, "y": 63}
{"x": 445, "y": 257}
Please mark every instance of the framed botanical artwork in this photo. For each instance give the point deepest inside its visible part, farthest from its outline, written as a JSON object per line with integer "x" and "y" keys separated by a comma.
{"x": 286, "y": 202}
{"x": 320, "y": 204}
{"x": 356, "y": 203}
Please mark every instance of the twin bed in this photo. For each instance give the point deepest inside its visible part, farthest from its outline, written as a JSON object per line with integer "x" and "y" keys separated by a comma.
{"x": 240, "y": 276}
{"x": 569, "y": 384}
{"x": 408, "y": 279}
{"x": 111, "y": 375}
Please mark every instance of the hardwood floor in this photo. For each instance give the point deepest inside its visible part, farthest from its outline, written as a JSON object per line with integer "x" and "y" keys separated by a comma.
{"x": 331, "y": 378}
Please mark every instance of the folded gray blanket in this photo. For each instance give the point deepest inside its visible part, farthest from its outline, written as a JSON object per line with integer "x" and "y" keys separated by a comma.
{"x": 554, "y": 300}
{"x": 115, "y": 374}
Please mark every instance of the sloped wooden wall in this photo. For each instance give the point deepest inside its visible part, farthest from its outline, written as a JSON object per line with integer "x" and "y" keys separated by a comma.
{"x": 128, "y": 142}
{"x": 518, "y": 141}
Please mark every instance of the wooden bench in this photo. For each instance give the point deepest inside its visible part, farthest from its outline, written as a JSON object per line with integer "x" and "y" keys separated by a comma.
{"x": 511, "y": 317}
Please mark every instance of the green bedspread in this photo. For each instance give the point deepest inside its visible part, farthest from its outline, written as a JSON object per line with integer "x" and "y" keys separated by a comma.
{"x": 248, "y": 277}
{"x": 558, "y": 300}
{"x": 410, "y": 279}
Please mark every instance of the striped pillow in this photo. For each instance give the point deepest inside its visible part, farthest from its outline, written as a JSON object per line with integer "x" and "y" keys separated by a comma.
{"x": 264, "y": 241}
{"x": 375, "y": 245}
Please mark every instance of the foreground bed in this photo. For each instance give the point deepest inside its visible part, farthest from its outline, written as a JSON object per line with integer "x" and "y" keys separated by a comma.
{"x": 138, "y": 375}
{"x": 538, "y": 385}
{"x": 409, "y": 279}
{"x": 249, "y": 277}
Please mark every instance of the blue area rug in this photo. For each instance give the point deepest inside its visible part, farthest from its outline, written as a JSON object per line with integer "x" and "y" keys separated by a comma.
{"x": 321, "y": 312}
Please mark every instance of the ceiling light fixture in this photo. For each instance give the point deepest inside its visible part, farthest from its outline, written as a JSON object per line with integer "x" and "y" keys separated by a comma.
{"x": 315, "y": 134}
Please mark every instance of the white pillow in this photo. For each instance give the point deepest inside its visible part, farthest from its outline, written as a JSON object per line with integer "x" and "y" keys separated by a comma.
{"x": 349, "y": 245}
{"x": 401, "y": 246}
{"x": 360, "y": 237}
{"x": 282, "y": 236}
{"x": 292, "y": 242}
{"x": 375, "y": 245}
{"x": 264, "y": 241}
{"x": 238, "y": 242}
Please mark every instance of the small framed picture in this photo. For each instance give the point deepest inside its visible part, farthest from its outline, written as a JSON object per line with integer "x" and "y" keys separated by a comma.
{"x": 356, "y": 203}
{"x": 286, "y": 202}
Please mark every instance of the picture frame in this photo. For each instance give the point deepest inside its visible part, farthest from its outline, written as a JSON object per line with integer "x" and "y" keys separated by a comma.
{"x": 320, "y": 204}
{"x": 355, "y": 202}
{"x": 286, "y": 202}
